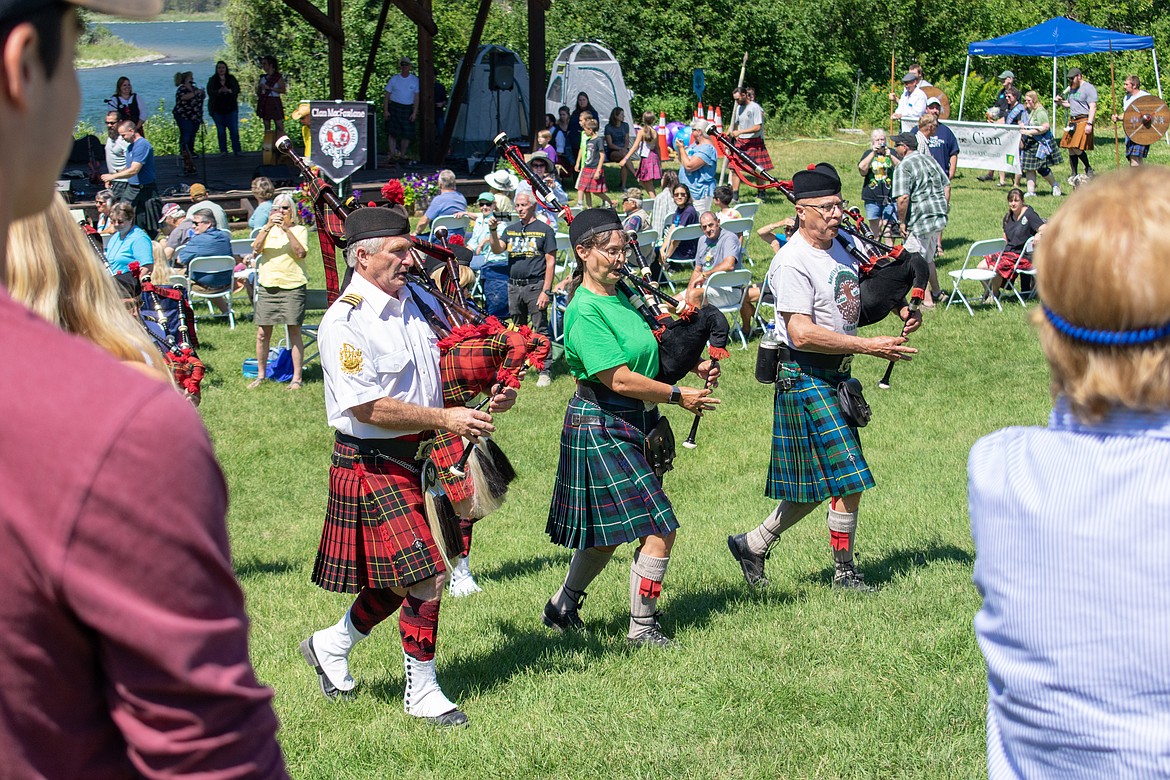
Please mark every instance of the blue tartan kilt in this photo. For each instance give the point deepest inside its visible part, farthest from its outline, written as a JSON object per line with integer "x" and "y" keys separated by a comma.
{"x": 816, "y": 455}
{"x": 605, "y": 492}
{"x": 1031, "y": 150}
{"x": 1135, "y": 150}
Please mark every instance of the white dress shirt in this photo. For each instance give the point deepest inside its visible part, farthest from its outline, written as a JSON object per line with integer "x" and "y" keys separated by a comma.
{"x": 380, "y": 348}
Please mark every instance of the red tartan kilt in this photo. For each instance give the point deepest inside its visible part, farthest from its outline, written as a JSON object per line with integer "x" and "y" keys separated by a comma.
{"x": 375, "y": 533}
{"x": 755, "y": 149}
{"x": 1004, "y": 263}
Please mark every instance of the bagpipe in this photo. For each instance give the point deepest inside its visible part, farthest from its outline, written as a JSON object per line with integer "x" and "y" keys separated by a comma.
{"x": 887, "y": 274}
{"x": 166, "y": 316}
{"x": 681, "y": 339}
{"x": 477, "y": 355}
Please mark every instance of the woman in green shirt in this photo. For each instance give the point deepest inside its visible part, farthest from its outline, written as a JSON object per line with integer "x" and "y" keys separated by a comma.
{"x": 606, "y": 493}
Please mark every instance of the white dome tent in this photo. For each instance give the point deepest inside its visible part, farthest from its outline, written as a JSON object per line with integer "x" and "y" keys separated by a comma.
{"x": 592, "y": 69}
{"x": 487, "y": 112}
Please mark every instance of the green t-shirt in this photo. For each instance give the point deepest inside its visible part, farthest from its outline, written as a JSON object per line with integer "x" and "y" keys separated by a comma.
{"x": 605, "y": 331}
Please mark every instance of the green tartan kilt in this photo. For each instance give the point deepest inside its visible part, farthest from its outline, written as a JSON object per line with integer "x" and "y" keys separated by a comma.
{"x": 605, "y": 491}
{"x": 816, "y": 455}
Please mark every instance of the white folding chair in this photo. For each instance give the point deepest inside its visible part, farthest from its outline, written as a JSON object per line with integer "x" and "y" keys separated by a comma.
{"x": 255, "y": 232}
{"x": 681, "y": 233}
{"x": 646, "y": 241}
{"x": 314, "y": 300}
{"x": 648, "y": 205}
{"x": 242, "y": 247}
{"x": 212, "y": 265}
{"x": 747, "y": 210}
{"x": 452, "y": 223}
{"x": 1013, "y": 281}
{"x": 742, "y": 227}
{"x": 77, "y": 215}
{"x": 968, "y": 273}
{"x": 564, "y": 264}
{"x": 725, "y": 290}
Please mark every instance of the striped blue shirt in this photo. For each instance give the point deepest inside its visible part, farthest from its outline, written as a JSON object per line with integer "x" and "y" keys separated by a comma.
{"x": 1072, "y": 542}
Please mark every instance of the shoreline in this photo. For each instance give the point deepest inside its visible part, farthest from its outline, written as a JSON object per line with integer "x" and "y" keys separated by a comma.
{"x": 84, "y": 64}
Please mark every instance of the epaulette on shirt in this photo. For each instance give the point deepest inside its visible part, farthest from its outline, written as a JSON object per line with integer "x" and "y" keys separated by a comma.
{"x": 353, "y": 299}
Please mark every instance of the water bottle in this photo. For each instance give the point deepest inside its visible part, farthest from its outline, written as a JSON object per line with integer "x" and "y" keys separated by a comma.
{"x": 768, "y": 356}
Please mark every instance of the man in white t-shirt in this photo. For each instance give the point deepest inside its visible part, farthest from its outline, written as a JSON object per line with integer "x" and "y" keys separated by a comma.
{"x": 747, "y": 129}
{"x": 1135, "y": 153}
{"x": 400, "y": 110}
{"x": 816, "y": 452}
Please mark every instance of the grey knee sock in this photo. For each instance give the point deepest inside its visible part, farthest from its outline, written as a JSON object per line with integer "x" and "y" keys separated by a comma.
{"x": 646, "y": 575}
{"x": 783, "y": 517}
{"x": 842, "y": 527}
{"x": 584, "y": 567}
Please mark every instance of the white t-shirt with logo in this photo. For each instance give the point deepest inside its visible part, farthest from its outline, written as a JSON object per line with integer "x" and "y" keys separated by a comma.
{"x": 820, "y": 283}
{"x": 402, "y": 89}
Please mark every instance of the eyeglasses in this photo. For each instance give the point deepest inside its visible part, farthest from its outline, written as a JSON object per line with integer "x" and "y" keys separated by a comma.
{"x": 282, "y": 208}
{"x": 681, "y": 194}
{"x": 612, "y": 252}
{"x": 827, "y": 209}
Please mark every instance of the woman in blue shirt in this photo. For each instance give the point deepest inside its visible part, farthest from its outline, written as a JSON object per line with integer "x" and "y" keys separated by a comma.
{"x": 129, "y": 244}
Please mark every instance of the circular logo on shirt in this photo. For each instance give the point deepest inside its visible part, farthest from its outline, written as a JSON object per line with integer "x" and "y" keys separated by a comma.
{"x": 337, "y": 138}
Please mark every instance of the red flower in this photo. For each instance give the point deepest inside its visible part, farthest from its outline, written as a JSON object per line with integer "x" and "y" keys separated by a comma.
{"x": 456, "y": 240}
{"x": 393, "y": 193}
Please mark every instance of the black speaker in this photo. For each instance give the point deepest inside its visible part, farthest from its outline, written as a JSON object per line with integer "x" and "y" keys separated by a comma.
{"x": 502, "y": 74}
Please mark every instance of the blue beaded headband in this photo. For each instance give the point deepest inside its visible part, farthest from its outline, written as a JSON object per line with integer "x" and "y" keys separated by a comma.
{"x": 1106, "y": 338}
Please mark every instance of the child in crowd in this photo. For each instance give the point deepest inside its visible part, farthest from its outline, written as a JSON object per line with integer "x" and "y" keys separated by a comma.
{"x": 645, "y": 146}
{"x": 544, "y": 144}
{"x": 721, "y": 203}
{"x": 591, "y": 164}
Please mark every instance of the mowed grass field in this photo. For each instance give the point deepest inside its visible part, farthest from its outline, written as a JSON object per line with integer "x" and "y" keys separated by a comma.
{"x": 794, "y": 680}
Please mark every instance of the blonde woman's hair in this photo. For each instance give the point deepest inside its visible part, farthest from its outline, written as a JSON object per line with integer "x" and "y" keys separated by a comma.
{"x": 51, "y": 269}
{"x": 1101, "y": 265}
{"x": 284, "y": 199}
{"x": 1035, "y": 97}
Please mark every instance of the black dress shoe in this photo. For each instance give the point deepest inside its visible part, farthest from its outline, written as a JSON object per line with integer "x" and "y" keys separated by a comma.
{"x": 560, "y": 621}
{"x": 452, "y": 719}
{"x": 750, "y": 563}
{"x": 327, "y": 687}
{"x": 652, "y": 636}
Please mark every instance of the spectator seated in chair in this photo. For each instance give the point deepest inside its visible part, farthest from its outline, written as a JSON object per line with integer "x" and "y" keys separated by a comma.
{"x": 719, "y": 250}
{"x": 1019, "y": 224}
{"x": 130, "y": 243}
{"x": 208, "y": 241}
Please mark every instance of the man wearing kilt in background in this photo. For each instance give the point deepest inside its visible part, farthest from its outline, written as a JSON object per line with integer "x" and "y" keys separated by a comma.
{"x": 606, "y": 492}
{"x": 383, "y": 396}
{"x": 1135, "y": 153}
{"x": 816, "y": 454}
{"x": 747, "y": 128}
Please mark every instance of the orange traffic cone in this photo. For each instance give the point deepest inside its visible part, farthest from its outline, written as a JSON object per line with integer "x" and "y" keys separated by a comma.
{"x": 710, "y": 115}
{"x": 663, "y": 148}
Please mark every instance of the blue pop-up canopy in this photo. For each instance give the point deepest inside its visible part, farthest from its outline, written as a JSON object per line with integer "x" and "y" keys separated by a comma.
{"x": 1058, "y": 37}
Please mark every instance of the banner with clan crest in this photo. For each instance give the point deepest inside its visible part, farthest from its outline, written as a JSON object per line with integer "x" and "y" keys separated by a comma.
{"x": 339, "y": 139}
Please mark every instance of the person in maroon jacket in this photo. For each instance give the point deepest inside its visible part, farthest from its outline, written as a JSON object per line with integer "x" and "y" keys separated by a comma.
{"x": 125, "y": 648}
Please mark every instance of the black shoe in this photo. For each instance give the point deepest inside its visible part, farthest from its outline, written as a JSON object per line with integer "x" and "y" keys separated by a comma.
{"x": 848, "y": 578}
{"x": 328, "y": 688}
{"x": 651, "y": 635}
{"x": 447, "y": 720}
{"x": 568, "y": 620}
{"x": 751, "y": 563}
{"x": 985, "y": 177}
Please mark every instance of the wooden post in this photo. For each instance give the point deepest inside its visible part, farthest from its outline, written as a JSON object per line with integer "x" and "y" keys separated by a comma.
{"x": 537, "y": 67}
{"x": 336, "y": 50}
{"x": 426, "y": 90}
{"x": 459, "y": 90}
{"x": 368, "y": 73}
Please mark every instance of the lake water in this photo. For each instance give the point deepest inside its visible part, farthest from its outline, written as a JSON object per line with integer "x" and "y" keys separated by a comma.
{"x": 193, "y": 46}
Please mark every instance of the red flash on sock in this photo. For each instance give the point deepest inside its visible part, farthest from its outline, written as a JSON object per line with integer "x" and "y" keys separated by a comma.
{"x": 839, "y": 540}
{"x": 649, "y": 589}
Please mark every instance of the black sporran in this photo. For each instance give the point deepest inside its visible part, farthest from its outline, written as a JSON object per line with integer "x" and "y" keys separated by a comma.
{"x": 852, "y": 403}
{"x": 660, "y": 447}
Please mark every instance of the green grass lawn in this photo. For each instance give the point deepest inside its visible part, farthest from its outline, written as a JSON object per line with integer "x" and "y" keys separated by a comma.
{"x": 792, "y": 681}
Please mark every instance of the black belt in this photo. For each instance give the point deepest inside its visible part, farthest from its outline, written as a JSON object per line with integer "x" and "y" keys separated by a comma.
{"x": 597, "y": 393}
{"x": 403, "y": 448}
{"x": 819, "y": 360}
{"x": 529, "y": 280}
